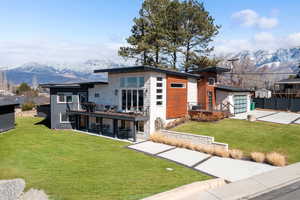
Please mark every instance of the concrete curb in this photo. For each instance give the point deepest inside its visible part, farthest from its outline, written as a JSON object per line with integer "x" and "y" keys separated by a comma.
{"x": 254, "y": 186}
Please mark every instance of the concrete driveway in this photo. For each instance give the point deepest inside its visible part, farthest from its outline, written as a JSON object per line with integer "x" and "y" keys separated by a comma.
{"x": 225, "y": 168}
{"x": 272, "y": 116}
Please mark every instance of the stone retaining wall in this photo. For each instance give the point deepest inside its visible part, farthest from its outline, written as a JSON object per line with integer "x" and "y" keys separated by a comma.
{"x": 193, "y": 138}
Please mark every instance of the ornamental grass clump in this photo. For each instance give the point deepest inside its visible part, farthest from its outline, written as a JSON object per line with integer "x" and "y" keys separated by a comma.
{"x": 221, "y": 152}
{"x": 236, "y": 154}
{"x": 276, "y": 159}
{"x": 209, "y": 149}
{"x": 258, "y": 157}
{"x": 156, "y": 137}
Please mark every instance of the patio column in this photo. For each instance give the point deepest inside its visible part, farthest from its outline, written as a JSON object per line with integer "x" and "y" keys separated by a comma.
{"x": 134, "y": 131}
{"x": 115, "y": 127}
{"x": 101, "y": 125}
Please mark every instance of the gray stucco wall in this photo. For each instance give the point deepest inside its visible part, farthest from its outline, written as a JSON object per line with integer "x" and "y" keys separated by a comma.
{"x": 57, "y": 108}
{"x": 7, "y": 117}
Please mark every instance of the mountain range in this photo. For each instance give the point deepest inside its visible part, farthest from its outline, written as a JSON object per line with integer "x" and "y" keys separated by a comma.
{"x": 281, "y": 60}
{"x": 59, "y": 73}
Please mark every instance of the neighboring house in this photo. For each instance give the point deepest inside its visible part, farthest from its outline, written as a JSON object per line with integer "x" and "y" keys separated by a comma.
{"x": 289, "y": 87}
{"x": 7, "y": 115}
{"x": 263, "y": 93}
{"x": 136, "y": 99}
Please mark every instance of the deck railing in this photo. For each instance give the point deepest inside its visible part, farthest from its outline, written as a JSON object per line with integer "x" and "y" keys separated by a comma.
{"x": 93, "y": 107}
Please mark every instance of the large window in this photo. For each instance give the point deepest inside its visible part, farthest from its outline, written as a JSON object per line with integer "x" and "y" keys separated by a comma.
{"x": 132, "y": 100}
{"x": 64, "y": 98}
{"x": 132, "y": 82}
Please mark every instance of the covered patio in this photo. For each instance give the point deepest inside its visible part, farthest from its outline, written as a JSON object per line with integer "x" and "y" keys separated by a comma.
{"x": 112, "y": 124}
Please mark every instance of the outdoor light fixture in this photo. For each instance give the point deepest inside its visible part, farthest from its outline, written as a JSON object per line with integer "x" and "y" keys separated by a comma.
{"x": 116, "y": 92}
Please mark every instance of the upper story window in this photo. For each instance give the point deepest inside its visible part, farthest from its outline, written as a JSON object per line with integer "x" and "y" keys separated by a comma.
{"x": 64, "y": 98}
{"x": 177, "y": 85}
{"x": 211, "y": 81}
{"x": 97, "y": 95}
{"x": 132, "y": 82}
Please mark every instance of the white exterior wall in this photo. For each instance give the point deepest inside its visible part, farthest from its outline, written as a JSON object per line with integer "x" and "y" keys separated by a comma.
{"x": 192, "y": 92}
{"x": 157, "y": 111}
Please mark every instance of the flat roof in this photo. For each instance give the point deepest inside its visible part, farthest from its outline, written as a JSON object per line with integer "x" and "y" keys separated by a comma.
{"x": 70, "y": 85}
{"x": 212, "y": 70}
{"x": 232, "y": 88}
{"x": 146, "y": 69}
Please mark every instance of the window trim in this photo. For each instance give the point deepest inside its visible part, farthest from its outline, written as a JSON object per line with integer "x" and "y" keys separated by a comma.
{"x": 65, "y": 98}
{"x": 63, "y": 122}
{"x": 183, "y": 85}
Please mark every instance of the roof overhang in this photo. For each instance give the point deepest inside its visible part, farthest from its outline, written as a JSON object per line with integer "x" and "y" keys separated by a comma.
{"x": 71, "y": 85}
{"x": 217, "y": 70}
{"x": 147, "y": 69}
{"x": 232, "y": 89}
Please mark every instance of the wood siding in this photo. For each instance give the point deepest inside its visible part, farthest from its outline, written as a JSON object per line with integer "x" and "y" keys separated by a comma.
{"x": 176, "y": 98}
{"x": 204, "y": 88}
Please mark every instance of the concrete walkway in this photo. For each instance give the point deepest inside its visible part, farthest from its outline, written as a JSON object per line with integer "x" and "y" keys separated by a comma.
{"x": 226, "y": 168}
{"x": 283, "y": 182}
{"x": 272, "y": 116}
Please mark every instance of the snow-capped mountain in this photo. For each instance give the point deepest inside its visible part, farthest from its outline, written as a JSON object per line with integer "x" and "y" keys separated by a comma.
{"x": 58, "y": 73}
{"x": 280, "y": 60}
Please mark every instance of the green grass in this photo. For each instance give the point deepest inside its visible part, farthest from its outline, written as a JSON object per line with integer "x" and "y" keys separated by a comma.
{"x": 69, "y": 165}
{"x": 251, "y": 136}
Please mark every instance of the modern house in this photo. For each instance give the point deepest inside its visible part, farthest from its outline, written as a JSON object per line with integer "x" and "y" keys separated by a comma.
{"x": 7, "y": 115}
{"x": 135, "y": 99}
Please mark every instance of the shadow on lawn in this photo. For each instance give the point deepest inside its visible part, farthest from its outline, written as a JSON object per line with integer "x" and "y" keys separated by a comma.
{"x": 44, "y": 122}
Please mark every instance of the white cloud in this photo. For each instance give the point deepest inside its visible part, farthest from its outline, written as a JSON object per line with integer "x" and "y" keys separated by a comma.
{"x": 250, "y": 18}
{"x": 294, "y": 39}
{"x": 262, "y": 40}
{"x": 264, "y": 37}
{"x": 13, "y": 53}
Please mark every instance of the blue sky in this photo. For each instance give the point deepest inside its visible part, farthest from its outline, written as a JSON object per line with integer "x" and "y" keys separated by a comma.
{"x": 72, "y": 31}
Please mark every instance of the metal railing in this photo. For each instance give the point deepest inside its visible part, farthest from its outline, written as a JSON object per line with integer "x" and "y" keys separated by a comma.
{"x": 93, "y": 107}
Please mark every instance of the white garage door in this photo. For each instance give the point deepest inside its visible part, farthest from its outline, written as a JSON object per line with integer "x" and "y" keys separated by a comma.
{"x": 240, "y": 104}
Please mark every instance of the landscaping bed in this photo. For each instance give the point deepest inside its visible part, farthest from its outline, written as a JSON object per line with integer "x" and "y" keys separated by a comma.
{"x": 71, "y": 165}
{"x": 250, "y": 136}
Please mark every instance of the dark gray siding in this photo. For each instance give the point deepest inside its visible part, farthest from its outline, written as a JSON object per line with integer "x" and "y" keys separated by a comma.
{"x": 7, "y": 117}
{"x": 57, "y": 108}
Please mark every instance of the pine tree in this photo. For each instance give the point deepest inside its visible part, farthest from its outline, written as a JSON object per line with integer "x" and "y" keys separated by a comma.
{"x": 167, "y": 30}
{"x": 174, "y": 31}
{"x": 139, "y": 49}
{"x": 199, "y": 30}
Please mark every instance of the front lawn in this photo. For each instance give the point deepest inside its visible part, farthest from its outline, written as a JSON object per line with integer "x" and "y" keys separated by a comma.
{"x": 73, "y": 166}
{"x": 251, "y": 136}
